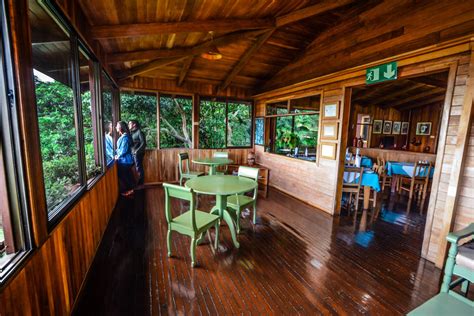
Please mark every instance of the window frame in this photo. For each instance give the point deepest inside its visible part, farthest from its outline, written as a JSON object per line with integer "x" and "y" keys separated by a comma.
{"x": 115, "y": 115}
{"x": 13, "y": 163}
{"x": 226, "y": 100}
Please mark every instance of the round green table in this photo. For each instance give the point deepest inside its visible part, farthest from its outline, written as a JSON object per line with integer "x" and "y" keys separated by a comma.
{"x": 213, "y": 163}
{"x": 222, "y": 186}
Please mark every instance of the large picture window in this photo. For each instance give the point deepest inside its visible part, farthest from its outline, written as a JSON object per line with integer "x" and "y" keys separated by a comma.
{"x": 141, "y": 106}
{"x": 225, "y": 124}
{"x": 107, "y": 118}
{"x": 89, "y": 116}
{"x": 176, "y": 114}
{"x": 54, "y": 88}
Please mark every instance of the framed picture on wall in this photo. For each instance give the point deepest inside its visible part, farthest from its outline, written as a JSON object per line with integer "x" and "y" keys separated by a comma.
{"x": 396, "y": 129}
{"x": 330, "y": 111}
{"x": 404, "y": 129}
{"x": 259, "y": 130}
{"x": 387, "y": 127}
{"x": 423, "y": 128}
{"x": 328, "y": 150}
{"x": 377, "y": 127}
{"x": 329, "y": 130}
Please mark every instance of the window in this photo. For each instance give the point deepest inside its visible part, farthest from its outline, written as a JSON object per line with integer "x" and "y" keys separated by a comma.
{"x": 141, "y": 106}
{"x": 14, "y": 232}
{"x": 239, "y": 124}
{"x": 107, "y": 118}
{"x": 55, "y": 101}
{"x": 225, "y": 124}
{"x": 89, "y": 116}
{"x": 176, "y": 114}
{"x": 295, "y": 134}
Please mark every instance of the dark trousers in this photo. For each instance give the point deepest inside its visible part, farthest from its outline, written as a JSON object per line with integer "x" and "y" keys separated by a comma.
{"x": 139, "y": 165}
{"x": 126, "y": 181}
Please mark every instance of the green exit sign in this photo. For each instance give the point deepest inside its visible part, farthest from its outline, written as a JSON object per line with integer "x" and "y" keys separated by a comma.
{"x": 381, "y": 73}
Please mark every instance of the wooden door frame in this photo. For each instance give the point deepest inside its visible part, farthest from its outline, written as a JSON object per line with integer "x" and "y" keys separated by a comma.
{"x": 405, "y": 72}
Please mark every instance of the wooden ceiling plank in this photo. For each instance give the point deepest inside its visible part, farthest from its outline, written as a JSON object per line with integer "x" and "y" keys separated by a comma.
{"x": 425, "y": 94}
{"x": 310, "y": 11}
{"x": 144, "y": 29}
{"x": 146, "y": 67}
{"x": 245, "y": 58}
{"x": 426, "y": 102}
{"x": 184, "y": 70}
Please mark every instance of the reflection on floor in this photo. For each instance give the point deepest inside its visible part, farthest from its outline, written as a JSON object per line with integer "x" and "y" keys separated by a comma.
{"x": 297, "y": 259}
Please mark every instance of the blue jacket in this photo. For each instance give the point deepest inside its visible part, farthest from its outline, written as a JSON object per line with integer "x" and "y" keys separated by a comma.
{"x": 124, "y": 150}
{"x": 109, "y": 148}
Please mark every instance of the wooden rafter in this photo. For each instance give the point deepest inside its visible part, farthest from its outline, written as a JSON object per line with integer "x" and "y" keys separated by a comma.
{"x": 180, "y": 52}
{"x": 422, "y": 95}
{"x": 245, "y": 58}
{"x": 194, "y": 51}
{"x": 143, "y": 29}
{"x": 184, "y": 70}
{"x": 313, "y": 10}
{"x": 295, "y": 16}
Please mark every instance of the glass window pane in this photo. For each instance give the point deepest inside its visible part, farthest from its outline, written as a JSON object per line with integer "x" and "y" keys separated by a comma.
{"x": 55, "y": 106}
{"x": 176, "y": 114}
{"x": 107, "y": 118}
{"x": 283, "y": 133}
{"x": 275, "y": 108}
{"x": 93, "y": 161}
{"x": 140, "y": 106}
{"x": 306, "y": 129}
{"x": 212, "y": 124}
{"x": 239, "y": 127}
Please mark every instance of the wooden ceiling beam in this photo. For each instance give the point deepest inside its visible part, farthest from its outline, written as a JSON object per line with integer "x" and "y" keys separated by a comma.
{"x": 430, "y": 81}
{"x": 180, "y": 52}
{"x": 245, "y": 58}
{"x": 193, "y": 51}
{"x": 426, "y": 94}
{"x": 143, "y": 29}
{"x": 389, "y": 96}
{"x": 310, "y": 11}
{"x": 184, "y": 70}
{"x": 415, "y": 104}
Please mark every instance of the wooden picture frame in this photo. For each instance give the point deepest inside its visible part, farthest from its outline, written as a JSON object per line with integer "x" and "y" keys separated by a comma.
{"x": 330, "y": 111}
{"x": 328, "y": 150}
{"x": 377, "y": 127}
{"x": 405, "y": 127}
{"x": 387, "y": 127}
{"x": 423, "y": 128}
{"x": 329, "y": 130}
{"x": 396, "y": 127}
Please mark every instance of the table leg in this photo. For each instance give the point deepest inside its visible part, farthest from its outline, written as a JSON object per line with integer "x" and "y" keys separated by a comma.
{"x": 221, "y": 203}
{"x": 393, "y": 188}
{"x": 366, "y": 197}
{"x": 363, "y": 219}
{"x": 212, "y": 170}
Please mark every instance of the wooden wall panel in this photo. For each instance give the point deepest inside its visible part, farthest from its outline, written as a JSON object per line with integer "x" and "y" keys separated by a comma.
{"x": 50, "y": 280}
{"x": 161, "y": 165}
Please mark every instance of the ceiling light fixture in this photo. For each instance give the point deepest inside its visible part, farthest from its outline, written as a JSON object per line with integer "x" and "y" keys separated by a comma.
{"x": 212, "y": 52}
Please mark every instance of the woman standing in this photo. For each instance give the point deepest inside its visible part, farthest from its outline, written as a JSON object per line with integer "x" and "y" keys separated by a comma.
{"x": 124, "y": 159}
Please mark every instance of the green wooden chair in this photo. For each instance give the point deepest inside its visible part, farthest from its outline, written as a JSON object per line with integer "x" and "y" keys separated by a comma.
{"x": 193, "y": 223}
{"x": 460, "y": 263}
{"x": 221, "y": 154}
{"x": 186, "y": 173}
{"x": 239, "y": 202}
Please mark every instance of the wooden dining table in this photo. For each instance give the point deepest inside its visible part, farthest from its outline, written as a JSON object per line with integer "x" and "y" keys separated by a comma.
{"x": 213, "y": 162}
{"x": 221, "y": 186}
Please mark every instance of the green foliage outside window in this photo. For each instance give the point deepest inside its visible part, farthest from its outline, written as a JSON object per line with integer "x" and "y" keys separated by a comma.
{"x": 239, "y": 124}
{"x": 176, "y": 121}
{"x": 141, "y": 107}
{"x": 296, "y": 131}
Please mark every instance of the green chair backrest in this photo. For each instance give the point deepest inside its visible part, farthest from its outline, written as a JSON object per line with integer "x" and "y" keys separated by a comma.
{"x": 220, "y": 154}
{"x": 182, "y": 193}
{"x": 183, "y": 157}
{"x": 248, "y": 172}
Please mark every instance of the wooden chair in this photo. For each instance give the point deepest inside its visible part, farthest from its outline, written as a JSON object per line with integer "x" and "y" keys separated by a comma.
{"x": 186, "y": 173}
{"x": 221, "y": 154}
{"x": 239, "y": 202}
{"x": 416, "y": 183}
{"x": 386, "y": 180}
{"x": 193, "y": 223}
{"x": 354, "y": 187}
{"x": 460, "y": 263}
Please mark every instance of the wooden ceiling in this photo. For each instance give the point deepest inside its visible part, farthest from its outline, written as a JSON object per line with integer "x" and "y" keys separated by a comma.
{"x": 164, "y": 39}
{"x": 404, "y": 94}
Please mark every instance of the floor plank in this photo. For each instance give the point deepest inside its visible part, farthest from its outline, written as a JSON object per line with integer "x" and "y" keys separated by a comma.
{"x": 296, "y": 260}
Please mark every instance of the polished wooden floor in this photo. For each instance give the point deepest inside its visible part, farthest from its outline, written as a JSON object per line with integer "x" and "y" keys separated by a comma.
{"x": 296, "y": 260}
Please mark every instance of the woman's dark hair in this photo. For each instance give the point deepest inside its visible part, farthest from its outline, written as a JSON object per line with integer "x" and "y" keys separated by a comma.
{"x": 123, "y": 127}
{"x": 135, "y": 122}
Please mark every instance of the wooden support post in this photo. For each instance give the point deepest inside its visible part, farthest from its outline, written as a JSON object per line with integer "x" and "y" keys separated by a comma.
{"x": 457, "y": 163}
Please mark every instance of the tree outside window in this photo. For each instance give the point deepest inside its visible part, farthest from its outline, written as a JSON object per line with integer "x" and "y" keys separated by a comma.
{"x": 176, "y": 121}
